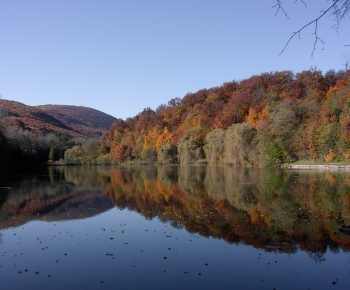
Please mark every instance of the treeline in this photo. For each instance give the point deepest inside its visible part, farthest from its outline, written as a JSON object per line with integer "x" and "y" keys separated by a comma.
{"x": 261, "y": 121}
{"x": 265, "y": 120}
{"x": 20, "y": 145}
{"x": 91, "y": 152}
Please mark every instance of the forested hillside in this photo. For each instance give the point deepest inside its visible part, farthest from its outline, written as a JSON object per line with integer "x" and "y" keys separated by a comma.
{"x": 42, "y": 133}
{"x": 261, "y": 121}
{"x": 265, "y": 120}
{"x": 74, "y": 121}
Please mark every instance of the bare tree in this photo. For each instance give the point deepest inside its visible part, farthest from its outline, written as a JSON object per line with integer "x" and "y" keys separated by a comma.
{"x": 339, "y": 9}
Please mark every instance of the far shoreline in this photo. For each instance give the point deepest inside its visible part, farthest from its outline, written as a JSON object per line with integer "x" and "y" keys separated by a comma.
{"x": 320, "y": 167}
{"x": 304, "y": 164}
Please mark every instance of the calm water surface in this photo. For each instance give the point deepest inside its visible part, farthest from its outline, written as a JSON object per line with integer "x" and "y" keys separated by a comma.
{"x": 174, "y": 227}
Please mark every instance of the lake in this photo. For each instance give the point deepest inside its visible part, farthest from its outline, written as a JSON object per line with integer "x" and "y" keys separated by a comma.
{"x": 174, "y": 227}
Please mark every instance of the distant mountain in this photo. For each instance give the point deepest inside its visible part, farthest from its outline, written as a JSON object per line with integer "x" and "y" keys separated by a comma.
{"x": 74, "y": 121}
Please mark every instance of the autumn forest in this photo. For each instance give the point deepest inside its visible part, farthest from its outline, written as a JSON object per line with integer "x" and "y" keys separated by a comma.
{"x": 265, "y": 120}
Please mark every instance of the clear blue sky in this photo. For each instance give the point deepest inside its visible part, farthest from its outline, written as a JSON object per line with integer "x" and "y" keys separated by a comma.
{"x": 120, "y": 57}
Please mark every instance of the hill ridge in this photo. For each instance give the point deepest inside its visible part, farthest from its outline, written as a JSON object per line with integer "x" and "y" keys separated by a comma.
{"x": 74, "y": 121}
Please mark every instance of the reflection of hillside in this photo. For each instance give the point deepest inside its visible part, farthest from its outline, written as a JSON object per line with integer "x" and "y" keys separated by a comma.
{"x": 267, "y": 208}
{"x": 52, "y": 196}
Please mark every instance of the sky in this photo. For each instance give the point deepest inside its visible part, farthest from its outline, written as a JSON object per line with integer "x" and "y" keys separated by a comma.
{"x": 120, "y": 57}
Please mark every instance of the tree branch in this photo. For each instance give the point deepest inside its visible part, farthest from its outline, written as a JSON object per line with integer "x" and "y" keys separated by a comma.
{"x": 315, "y": 21}
{"x": 341, "y": 11}
{"x": 280, "y": 7}
{"x": 316, "y": 39}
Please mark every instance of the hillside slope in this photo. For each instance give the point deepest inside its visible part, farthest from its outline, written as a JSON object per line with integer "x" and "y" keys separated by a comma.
{"x": 74, "y": 121}
{"x": 264, "y": 120}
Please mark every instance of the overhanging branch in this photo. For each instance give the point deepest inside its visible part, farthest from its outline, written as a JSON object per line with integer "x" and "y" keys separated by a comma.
{"x": 315, "y": 21}
{"x": 340, "y": 9}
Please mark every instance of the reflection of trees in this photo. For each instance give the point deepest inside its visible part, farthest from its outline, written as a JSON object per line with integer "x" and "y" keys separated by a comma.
{"x": 191, "y": 178}
{"x": 168, "y": 175}
{"x": 195, "y": 209}
{"x": 52, "y": 191}
{"x": 86, "y": 177}
{"x": 317, "y": 257}
{"x": 267, "y": 208}
{"x": 215, "y": 182}
{"x": 277, "y": 210}
{"x": 51, "y": 182}
{"x": 25, "y": 190}
{"x": 241, "y": 188}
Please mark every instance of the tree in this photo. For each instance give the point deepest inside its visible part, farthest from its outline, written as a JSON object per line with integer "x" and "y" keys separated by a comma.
{"x": 284, "y": 118}
{"x": 328, "y": 138}
{"x": 119, "y": 152}
{"x": 54, "y": 153}
{"x": 190, "y": 150}
{"x": 91, "y": 148}
{"x": 73, "y": 155}
{"x": 3, "y": 147}
{"x": 168, "y": 153}
{"x": 339, "y": 9}
{"x": 274, "y": 136}
{"x": 149, "y": 155}
{"x": 214, "y": 147}
{"x": 240, "y": 144}
{"x": 137, "y": 150}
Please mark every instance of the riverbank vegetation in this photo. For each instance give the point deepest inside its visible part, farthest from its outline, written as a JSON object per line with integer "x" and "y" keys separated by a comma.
{"x": 266, "y": 120}
{"x": 18, "y": 145}
{"x": 91, "y": 152}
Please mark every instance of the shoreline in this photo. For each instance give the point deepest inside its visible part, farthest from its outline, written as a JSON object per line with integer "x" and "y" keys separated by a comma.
{"x": 320, "y": 167}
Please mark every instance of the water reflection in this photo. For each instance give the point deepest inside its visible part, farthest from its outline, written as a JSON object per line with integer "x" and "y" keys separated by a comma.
{"x": 275, "y": 210}
{"x": 52, "y": 194}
